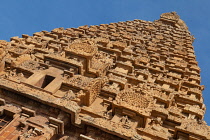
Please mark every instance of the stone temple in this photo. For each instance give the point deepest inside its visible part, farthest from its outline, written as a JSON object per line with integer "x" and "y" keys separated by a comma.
{"x": 133, "y": 80}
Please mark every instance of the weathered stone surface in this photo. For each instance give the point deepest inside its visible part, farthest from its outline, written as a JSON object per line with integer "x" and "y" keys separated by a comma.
{"x": 127, "y": 80}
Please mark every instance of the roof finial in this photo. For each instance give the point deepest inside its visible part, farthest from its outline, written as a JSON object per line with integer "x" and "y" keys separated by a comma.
{"x": 174, "y": 19}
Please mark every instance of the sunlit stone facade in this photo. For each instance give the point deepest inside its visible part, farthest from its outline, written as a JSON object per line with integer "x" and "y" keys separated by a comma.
{"x": 128, "y": 80}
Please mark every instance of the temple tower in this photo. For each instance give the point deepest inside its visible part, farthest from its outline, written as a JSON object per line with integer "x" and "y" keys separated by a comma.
{"x": 134, "y": 80}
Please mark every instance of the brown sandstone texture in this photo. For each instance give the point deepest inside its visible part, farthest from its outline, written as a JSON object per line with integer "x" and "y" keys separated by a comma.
{"x": 134, "y": 80}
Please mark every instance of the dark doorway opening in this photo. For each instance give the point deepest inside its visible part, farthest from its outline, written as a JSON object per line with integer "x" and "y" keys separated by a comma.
{"x": 46, "y": 80}
{"x": 4, "y": 121}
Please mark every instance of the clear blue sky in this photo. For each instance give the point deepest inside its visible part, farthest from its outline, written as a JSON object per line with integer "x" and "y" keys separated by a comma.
{"x": 19, "y": 17}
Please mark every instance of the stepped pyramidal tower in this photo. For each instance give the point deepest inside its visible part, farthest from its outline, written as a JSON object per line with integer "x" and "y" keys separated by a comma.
{"x": 134, "y": 80}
